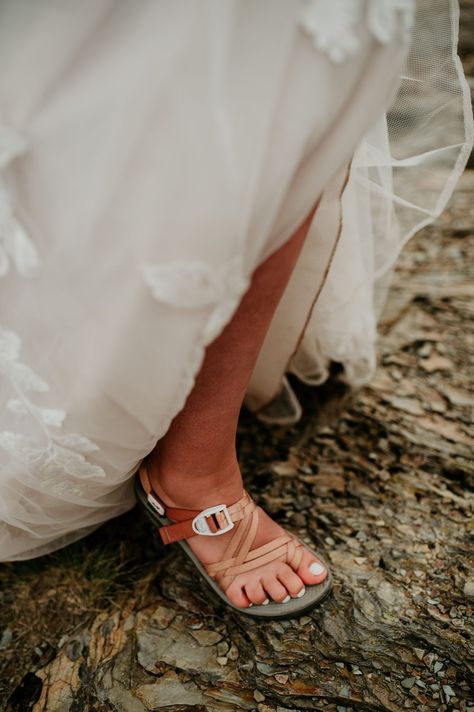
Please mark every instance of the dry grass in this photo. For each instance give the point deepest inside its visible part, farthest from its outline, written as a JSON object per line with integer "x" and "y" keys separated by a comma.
{"x": 45, "y": 599}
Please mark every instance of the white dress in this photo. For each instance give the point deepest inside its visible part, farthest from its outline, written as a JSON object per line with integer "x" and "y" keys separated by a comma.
{"x": 153, "y": 154}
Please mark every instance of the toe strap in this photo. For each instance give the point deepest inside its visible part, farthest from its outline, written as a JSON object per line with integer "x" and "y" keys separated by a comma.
{"x": 284, "y": 548}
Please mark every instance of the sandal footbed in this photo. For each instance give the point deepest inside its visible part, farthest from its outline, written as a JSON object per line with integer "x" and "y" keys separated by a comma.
{"x": 293, "y": 608}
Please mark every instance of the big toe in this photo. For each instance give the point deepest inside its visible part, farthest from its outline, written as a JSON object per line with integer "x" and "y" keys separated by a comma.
{"x": 311, "y": 569}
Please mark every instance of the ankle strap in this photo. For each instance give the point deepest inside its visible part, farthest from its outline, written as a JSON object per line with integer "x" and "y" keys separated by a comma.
{"x": 211, "y": 521}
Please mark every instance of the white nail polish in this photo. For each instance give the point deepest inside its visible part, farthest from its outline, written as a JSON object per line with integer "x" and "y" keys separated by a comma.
{"x": 316, "y": 568}
{"x": 266, "y": 602}
{"x": 285, "y": 600}
{"x": 301, "y": 593}
{"x": 250, "y": 604}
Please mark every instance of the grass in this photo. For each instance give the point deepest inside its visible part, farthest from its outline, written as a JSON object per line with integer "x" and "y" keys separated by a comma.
{"x": 46, "y": 599}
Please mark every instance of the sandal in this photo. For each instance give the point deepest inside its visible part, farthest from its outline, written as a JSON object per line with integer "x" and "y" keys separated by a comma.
{"x": 176, "y": 525}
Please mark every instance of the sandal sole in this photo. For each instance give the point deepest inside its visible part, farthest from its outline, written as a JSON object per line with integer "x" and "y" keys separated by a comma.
{"x": 294, "y": 608}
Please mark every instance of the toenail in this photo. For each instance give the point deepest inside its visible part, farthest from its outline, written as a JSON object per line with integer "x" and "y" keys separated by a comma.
{"x": 316, "y": 568}
{"x": 285, "y": 600}
{"x": 266, "y": 602}
{"x": 301, "y": 593}
{"x": 250, "y": 604}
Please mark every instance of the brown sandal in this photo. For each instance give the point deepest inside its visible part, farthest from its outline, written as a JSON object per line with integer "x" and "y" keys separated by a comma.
{"x": 177, "y": 524}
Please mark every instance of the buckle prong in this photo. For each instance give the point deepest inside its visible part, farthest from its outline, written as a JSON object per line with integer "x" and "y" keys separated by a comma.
{"x": 200, "y": 525}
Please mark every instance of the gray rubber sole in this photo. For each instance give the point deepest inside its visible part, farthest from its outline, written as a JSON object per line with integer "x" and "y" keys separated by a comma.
{"x": 294, "y": 608}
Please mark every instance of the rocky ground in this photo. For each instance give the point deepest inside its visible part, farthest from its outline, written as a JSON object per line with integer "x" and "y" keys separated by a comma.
{"x": 386, "y": 493}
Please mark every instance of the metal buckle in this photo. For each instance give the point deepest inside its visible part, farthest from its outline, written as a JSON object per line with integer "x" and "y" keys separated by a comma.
{"x": 156, "y": 504}
{"x": 200, "y": 526}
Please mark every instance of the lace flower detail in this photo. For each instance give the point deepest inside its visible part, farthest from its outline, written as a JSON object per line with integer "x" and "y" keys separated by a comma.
{"x": 63, "y": 454}
{"x": 196, "y": 285}
{"x": 383, "y": 17}
{"x": 331, "y": 27}
{"x": 15, "y": 245}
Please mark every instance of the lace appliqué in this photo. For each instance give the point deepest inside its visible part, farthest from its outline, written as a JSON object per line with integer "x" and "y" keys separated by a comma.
{"x": 196, "y": 285}
{"x": 15, "y": 245}
{"x": 60, "y": 462}
{"x": 332, "y": 25}
{"x": 63, "y": 454}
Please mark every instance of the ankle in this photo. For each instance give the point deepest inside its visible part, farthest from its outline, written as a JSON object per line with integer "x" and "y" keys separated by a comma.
{"x": 194, "y": 489}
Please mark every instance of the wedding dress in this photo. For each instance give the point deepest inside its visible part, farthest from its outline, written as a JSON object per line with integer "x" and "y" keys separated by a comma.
{"x": 152, "y": 155}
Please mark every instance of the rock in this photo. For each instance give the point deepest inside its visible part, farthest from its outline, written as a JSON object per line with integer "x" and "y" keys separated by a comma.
{"x": 408, "y": 405}
{"x": 6, "y": 638}
{"x": 222, "y": 647}
{"x": 281, "y": 678}
{"x": 468, "y": 589}
{"x": 408, "y": 682}
{"x": 175, "y": 646}
{"x": 284, "y": 469}
{"x": 425, "y": 350}
{"x": 327, "y": 483}
{"x": 162, "y": 617}
{"x": 258, "y": 696}
{"x": 222, "y": 660}
{"x": 233, "y": 653}
{"x": 298, "y": 520}
{"x": 302, "y": 503}
{"x": 436, "y": 363}
{"x": 122, "y": 699}
{"x": 206, "y": 637}
{"x": 169, "y": 690}
{"x": 457, "y": 397}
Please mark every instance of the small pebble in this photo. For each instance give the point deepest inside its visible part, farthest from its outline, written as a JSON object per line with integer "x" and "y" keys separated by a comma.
{"x": 408, "y": 682}
{"x": 468, "y": 589}
{"x": 258, "y": 696}
{"x": 6, "y": 638}
{"x": 221, "y": 660}
{"x": 281, "y": 678}
{"x": 233, "y": 653}
{"x": 222, "y": 648}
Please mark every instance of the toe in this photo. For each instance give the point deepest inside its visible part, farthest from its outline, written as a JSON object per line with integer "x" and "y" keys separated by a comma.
{"x": 291, "y": 581}
{"x": 255, "y": 591}
{"x": 311, "y": 570}
{"x": 275, "y": 589}
{"x": 236, "y": 594}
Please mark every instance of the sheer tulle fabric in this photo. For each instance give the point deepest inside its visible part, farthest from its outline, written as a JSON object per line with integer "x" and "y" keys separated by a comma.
{"x": 154, "y": 157}
{"x": 401, "y": 177}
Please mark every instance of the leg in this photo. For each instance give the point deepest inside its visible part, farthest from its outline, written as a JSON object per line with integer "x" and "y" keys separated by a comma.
{"x": 199, "y": 446}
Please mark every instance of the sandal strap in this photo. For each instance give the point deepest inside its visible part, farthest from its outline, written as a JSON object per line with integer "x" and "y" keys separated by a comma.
{"x": 186, "y": 522}
{"x": 283, "y": 548}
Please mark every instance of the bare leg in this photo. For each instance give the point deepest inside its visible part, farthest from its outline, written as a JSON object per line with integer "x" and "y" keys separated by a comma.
{"x": 199, "y": 447}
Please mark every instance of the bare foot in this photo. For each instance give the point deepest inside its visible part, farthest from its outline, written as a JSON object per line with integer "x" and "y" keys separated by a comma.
{"x": 276, "y": 580}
